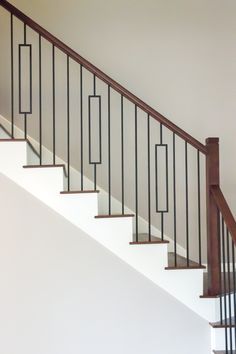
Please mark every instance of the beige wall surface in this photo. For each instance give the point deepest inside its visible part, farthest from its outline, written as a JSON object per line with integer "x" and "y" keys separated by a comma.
{"x": 179, "y": 56}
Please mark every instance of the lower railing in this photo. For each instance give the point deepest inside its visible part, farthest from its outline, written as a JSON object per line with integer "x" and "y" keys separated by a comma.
{"x": 226, "y": 227}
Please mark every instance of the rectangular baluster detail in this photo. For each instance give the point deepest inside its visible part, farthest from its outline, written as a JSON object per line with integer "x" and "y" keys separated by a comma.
{"x": 25, "y": 79}
{"x": 95, "y": 144}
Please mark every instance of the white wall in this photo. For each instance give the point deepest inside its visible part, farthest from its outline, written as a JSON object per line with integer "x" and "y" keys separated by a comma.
{"x": 61, "y": 292}
{"x": 179, "y": 56}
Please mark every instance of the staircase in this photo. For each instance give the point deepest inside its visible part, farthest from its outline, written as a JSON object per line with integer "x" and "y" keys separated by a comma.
{"x": 121, "y": 172}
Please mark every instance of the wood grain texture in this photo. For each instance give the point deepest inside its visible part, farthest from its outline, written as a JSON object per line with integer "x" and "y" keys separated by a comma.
{"x": 213, "y": 241}
{"x": 47, "y": 166}
{"x": 143, "y": 239}
{"x": 225, "y": 211}
{"x": 80, "y": 192}
{"x": 224, "y": 352}
{"x": 181, "y": 263}
{"x": 225, "y": 323}
{"x": 107, "y": 216}
{"x": 221, "y": 291}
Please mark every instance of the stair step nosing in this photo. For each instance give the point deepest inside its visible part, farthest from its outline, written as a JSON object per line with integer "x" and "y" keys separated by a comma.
{"x": 79, "y": 192}
{"x": 185, "y": 267}
{"x": 48, "y": 166}
{"x": 114, "y": 216}
{"x": 148, "y": 242}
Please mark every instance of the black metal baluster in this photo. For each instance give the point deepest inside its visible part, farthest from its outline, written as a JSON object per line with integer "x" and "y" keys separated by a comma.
{"x": 199, "y": 207}
{"x": 122, "y": 157}
{"x": 167, "y": 181}
{"x": 26, "y": 117}
{"x": 149, "y": 179}
{"x": 186, "y": 202}
{"x": 220, "y": 255}
{"x": 53, "y": 107}
{"x": 95, "y": 165}
{"x": 29, "y": 111}
{"x": 31, "y": 91}
{"x": 174, "y": 201}
{"x": 224, "y": 283}
{"x": 94, "y": 161}
{"x": 81, "y": 132}
{"x": 109, "y": 150}
{"x": 68, "y": 123}
{"x": 229, "y": 292}
{"x": 161, "y": 210}
{"x": 234, "y": 290}
{"x": 40, "y": 101}
{"x": 25, "y": 114}
{"x": 162, "y": 214}
{"x": 136, "y": 174}
{"x": 12, "y": 80}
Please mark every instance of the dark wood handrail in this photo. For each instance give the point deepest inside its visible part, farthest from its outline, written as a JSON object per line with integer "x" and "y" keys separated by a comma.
{"x": 102, "y": 76}
{"x": 225, "y": 211}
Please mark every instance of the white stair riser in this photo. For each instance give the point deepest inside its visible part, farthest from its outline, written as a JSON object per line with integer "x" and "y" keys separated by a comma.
{"x": 219, "y": 338}
{"x": 78, "y": 207}
{"x": 12, "y": 155}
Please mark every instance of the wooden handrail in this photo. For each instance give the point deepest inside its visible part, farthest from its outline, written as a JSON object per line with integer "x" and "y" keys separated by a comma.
{"x": 225, "y": 211}
{"x": 102, "y": 76}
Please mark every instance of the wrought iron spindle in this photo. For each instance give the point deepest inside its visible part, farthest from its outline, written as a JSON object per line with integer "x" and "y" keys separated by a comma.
{"x": 68, "y": 123}
{"x": 234, "y": 290}
{"x": 167, "y": 184}
{"x": 98, "y": 160}
{"x": 122, "y": 158}
{"x": 81, "y": 132}
{"x": 199, "y": 208}
{"x": 40, "y": 100}
{"x": 29, "y": 111}
{"x": 224, "y": 282}
{"x": 53, "y": 107}
{"x": 149, "y": 178}
{"x": 109, "y": 149}
{"x": 162, "y": 214}
{"x": 229, "y": 322}
{"x": 220, "y": 270}
{"x": 186, "y": 203}
{"x": 25, "y": 114}
{"x": 95, "y": 165}
{"x": 174, "y": 202}
{"x": 136, "y": 172}
{"x": 12, "y": 78}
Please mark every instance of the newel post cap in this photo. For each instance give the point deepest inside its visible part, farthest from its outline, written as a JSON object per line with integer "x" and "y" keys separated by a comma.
{"x": 212, "y": 140}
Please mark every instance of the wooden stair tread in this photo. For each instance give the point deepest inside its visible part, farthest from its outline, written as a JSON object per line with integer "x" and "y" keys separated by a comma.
{"x": 143, "y": 239}
{"x": 225, "y": 323}
{"x": 10, "y": 140}
{"x": 181, "y": 263}
{"x": 224, "y": 352}
{"x": 114, "y": 216}
{"x": 43, "y": 166}
{"x": 48, "y": 166}
{"x": 79, "y": 192}
{"x": 205, "y": 285}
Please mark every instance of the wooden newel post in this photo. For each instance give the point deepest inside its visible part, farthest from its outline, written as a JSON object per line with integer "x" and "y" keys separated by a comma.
{"x": 213, "y": 242}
